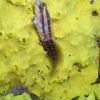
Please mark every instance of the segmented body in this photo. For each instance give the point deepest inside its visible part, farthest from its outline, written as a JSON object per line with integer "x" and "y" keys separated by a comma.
{"x": 43, "y": 25}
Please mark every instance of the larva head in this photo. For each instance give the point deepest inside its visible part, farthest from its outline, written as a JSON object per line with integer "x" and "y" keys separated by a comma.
{"x": 38, "y": 2}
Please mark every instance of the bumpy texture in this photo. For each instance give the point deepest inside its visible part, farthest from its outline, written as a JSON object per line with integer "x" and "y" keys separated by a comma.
{"x": 23, "y": 59}
{"x": 24, "y": 96}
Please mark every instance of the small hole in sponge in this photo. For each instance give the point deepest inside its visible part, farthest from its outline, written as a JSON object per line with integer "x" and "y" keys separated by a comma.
{"x": 58, "y": 14}
{"x": 78, "y": 65}
{"x": 24, "y": 40}
{"x": 91, "y": 1}
{"x": 38, "y": 70}
{"x": 0, "y": 33}
{"x": 86, "y": 95}
{"x": 75, "y": 98}
{"x": 94, "y": 13}
{"x": 76, "y": 18}
{"x": 69, "y": 55}
{"x": 26, "y": 1}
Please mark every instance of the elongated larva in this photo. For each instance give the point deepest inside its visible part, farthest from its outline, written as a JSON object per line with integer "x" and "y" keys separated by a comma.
{"x": 43, "y": 24}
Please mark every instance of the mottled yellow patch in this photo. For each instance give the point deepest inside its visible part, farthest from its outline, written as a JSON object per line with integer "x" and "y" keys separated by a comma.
{"x": 24, "y": 96}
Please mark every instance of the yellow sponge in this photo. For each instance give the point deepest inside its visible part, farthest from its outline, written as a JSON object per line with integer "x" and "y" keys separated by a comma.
{"x": 23, "y": 59}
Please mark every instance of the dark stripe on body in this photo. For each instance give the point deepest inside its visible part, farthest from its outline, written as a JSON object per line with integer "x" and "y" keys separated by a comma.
{"x": 51, "y": 50}
{"x": 43, "y": 23}
{"x": 42, "y": 19}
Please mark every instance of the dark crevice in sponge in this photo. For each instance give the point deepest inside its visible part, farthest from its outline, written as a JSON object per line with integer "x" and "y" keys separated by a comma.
{"x": 95, "y": 13}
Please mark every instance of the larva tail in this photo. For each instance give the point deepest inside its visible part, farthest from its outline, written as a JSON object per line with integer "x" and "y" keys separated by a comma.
{"x": 51, "y": 50}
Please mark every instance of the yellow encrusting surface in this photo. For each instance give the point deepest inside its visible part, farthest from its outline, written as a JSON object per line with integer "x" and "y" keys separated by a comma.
{"x": 24, "y": 61}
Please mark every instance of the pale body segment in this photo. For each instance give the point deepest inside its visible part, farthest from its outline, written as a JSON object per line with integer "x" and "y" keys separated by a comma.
{"x": 42, "y": 21}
